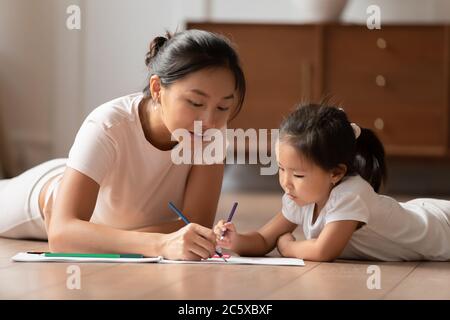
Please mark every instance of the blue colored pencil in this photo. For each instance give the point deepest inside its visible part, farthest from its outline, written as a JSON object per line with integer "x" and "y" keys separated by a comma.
{"x": 178, "y": 212}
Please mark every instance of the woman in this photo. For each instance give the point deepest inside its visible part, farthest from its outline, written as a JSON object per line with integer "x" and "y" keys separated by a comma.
{"x": 111, "y": 194}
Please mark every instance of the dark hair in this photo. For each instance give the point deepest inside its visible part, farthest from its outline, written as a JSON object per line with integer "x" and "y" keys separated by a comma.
{"x": 175, "y": 56}
{"x": 324, "y": 134}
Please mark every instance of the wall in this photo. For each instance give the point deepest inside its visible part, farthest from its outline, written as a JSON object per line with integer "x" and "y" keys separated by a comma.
{"x": 26, "y": 54}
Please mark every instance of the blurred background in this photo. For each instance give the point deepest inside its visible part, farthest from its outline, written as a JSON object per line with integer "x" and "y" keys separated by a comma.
{"x": 52, "y": 77}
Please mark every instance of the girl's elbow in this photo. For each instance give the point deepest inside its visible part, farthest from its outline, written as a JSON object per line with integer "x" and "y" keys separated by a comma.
{"x": 320, "y": 255}
{"x": 327, "y": 256}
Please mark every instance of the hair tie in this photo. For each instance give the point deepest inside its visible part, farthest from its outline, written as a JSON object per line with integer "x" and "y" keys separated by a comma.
{"x": 356, "y": 130}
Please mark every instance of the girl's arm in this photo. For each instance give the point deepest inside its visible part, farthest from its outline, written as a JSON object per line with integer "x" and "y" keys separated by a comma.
{"x": 70, "y": 230}
{"x": 327, "y": 247}
{"x": 261, "y": 242}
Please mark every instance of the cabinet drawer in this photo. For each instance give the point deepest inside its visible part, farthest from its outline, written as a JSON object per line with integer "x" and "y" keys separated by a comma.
{"x": 395, "y": 66}
{"x": 417, "y": 131}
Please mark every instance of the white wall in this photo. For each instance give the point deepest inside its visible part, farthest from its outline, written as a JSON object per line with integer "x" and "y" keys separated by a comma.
{"x": 26, "y": 66}
{"x": 67, "y": 72}
{"x": 52, "y": 77}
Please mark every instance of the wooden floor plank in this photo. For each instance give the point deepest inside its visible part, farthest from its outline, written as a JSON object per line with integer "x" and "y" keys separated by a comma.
{"x": 430, "y": 280}
{"x": 234, "y": 282}
{"x": 125, "y": 281}
{"x": 26, "y": 277}
{"x": 343, "y": 280}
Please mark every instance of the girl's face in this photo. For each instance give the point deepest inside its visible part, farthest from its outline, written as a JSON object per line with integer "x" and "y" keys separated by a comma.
{"x": 207, "y": 95}
{"x": 303, "y": 181}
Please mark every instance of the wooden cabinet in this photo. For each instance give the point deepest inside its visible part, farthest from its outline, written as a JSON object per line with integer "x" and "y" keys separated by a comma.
{"x": 394, "y": 80}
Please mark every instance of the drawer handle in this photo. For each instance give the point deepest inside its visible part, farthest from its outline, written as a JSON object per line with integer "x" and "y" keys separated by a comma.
{"x": 381, "y": 43}
{"x": 380, "y": 81}
{"x": 379, "y": 124}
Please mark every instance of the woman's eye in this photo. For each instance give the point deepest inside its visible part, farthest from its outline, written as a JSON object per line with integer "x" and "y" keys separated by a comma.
{"x": 195, "y": 104}
{"x": 298, "y": 176}
{"x": 223, "y": 108}
{"x": 280, "y": 168}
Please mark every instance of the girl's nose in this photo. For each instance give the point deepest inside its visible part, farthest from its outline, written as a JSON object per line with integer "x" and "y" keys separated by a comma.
{"x": 286, "y": 182}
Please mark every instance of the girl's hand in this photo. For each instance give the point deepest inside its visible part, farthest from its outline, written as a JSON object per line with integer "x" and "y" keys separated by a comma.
{"x": 192, "y": 242}
{"x": 283, "y": 243}
{"x": 226, "y": 234}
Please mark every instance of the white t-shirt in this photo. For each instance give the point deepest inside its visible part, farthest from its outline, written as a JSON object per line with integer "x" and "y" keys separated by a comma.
{"x": 136, "y": 179}
{"x": 415, "y": 230}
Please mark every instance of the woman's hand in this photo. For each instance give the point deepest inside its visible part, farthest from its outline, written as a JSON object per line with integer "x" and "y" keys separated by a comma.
{"x": 284, "y": 242}
{"x": 192, "y": 242}
{"x": 226, "y": 235}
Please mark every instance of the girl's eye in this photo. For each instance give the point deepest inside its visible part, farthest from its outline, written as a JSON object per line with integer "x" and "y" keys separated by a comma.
{"x": 281, "y": 169}
{"x": 298, "y": 176}
{"x": 195, "y": 104}
{"x": 223, "y": 108}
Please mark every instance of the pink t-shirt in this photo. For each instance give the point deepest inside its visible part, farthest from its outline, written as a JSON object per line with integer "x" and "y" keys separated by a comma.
{"x": 136, "y": 179}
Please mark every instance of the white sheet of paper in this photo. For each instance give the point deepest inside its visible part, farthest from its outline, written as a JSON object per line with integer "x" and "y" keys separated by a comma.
{"x": 272, "y": 261}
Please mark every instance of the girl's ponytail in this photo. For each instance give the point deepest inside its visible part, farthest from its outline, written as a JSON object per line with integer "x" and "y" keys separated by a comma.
{"x": 370, "y": 161}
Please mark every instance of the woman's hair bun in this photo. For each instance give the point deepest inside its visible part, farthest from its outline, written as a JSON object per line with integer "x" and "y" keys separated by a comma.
{"x": 155, "y": 46}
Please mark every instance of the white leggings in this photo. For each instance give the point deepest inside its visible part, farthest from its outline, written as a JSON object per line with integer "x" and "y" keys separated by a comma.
{"x": 20, "y": 216}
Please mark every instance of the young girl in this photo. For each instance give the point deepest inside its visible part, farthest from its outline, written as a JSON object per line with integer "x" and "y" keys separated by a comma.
{"x": 112, "y": 193}
{"x": 331, "y": 170}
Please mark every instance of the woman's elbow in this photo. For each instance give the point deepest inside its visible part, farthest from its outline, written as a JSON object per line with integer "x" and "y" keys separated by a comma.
{"x": 53, "y": 242}
{"x": 57, "y": 238}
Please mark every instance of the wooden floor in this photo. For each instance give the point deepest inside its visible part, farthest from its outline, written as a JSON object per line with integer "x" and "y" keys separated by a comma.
{"x": 337, "y": 280}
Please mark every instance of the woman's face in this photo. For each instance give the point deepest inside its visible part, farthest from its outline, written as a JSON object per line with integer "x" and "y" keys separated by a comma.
{"x": 207, "y": 95}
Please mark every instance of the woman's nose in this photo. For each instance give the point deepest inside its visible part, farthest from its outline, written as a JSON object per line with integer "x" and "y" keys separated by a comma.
{"x": 208, "y": 121}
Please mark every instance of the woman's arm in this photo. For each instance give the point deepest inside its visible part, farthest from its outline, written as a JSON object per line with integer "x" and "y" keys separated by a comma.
{"x": 261, "y": 242}
{"x": 202, "y": 193}
{"x": 327, "y": 247}
{"x": 70, "y": 230}
{"x": 165, "y": 227}
{"x": 200, "y": 199}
